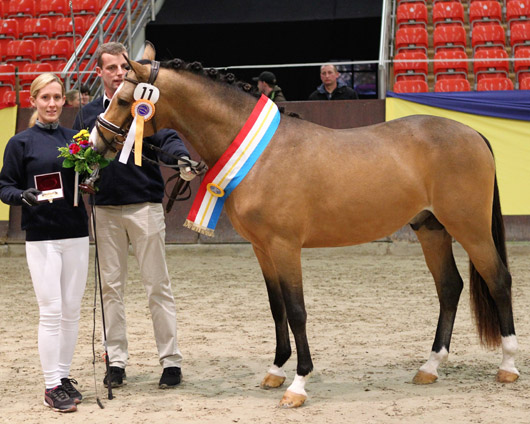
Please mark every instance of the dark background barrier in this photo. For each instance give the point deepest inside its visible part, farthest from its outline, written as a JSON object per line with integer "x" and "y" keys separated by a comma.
{"x": 336, "y": 114}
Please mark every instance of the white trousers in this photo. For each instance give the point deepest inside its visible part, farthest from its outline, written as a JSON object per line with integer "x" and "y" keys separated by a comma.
{"x": 143, "y": 225}
{"x": 58, "y": 270}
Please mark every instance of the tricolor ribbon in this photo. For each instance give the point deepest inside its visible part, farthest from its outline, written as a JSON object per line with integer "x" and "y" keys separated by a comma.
{"x": 233, "y": 166}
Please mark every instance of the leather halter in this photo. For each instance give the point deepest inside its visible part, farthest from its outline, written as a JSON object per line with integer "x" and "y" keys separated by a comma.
{"x": 122, "y": 131}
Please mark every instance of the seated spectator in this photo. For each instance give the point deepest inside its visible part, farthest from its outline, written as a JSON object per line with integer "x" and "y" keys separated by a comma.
{"x": 85, "y": 95}
{"x": 268, "y": 86}
{"x": 72, "y": 98}
{"x": 332, "y": 88}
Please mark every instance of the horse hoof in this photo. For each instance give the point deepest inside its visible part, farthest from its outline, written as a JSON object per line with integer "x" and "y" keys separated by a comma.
{"x": 423, "y": 377}
{"x": 271, "y": 381}
{"x": 292, "y": 400}
{"x": 506, "y": 376}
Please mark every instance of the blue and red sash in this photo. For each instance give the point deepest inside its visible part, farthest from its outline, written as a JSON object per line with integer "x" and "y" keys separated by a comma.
{"x": 233, "y": 166}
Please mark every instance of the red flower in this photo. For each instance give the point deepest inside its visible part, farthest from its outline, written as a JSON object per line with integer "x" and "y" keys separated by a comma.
{"x": 74, "y": 148}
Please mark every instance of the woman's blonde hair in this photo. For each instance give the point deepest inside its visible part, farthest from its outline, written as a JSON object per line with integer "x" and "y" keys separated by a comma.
{"x": 38, "y": 83}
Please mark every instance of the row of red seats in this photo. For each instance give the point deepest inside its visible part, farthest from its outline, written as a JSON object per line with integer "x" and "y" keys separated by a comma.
{"x": 9, "y": 97}
{"x": 452, "y": 12}
{"x": 17, "y": 52}
{"x": 44, "y": 27}
{"x": 39, "y": 8}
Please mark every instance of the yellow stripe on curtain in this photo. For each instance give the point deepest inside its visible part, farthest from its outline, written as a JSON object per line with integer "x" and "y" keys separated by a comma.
{"x": 8, "y": 124}
{"x": 510, "y": 140}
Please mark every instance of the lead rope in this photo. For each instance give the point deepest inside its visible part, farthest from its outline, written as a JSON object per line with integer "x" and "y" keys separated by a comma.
{"x": 97, "y": 283}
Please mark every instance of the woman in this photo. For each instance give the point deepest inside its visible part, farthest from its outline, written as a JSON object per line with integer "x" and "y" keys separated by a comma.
{"x": 56, "y": 235}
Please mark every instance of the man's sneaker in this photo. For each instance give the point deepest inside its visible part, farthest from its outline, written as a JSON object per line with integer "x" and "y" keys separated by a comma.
{"x": 58, "y": 400}
{"x": 117, "y": 377}
{"x": 69, "y": 388}
{"x": 170, "y": 378}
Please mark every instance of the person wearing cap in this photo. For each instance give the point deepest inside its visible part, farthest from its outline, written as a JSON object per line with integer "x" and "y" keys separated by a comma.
{"x": 332, "y": 88}
{"x": 268, "y": 86}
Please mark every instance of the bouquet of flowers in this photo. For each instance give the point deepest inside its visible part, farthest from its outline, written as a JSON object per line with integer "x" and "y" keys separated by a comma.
{"x": 85, "y": 161}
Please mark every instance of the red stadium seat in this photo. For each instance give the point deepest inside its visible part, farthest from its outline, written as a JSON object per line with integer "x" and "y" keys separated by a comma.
{"x": 51, "y": 50}
{"x": 485, "y": 12}
{"x": 58, "y": 8}
{"x": 449, "y": 85}
{"x": 525, "y": 84}
{"x": 411, "y": 38}
{"x": 21, "y": 8}
{"x": 449, "y": 37}
{"x": 449, "y": 64}
{"x": 411, "y": 86}
{"x": 32, "y": 71}
{"x": 35, "y": 28}
{"x": 520, "y": 35}
{"x": 488, "y": 36}
{"x": 20, "y": 51}
{"x": 10, "y": 97}
{"x": 410, "y": 65}
{"x": 517, "y": 10}
{"x": 63, "y": 27}
{"x": 489, "y": 63}
{"x": 411, "y": 14}
{"x": 448, "y": 12}
{"x": 57, "y": 65}
{"x": 521, "y": 66}
{"x": 495, "y": 84}
{"x": 398, "y": 1}
{"x": 7, "y": 75}
{"x": 9, "y": 29}
{"x": 85, "y": 7}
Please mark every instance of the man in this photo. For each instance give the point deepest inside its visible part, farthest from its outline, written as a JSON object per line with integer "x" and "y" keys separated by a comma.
{"x": 129, "y": 209}
{"x": 267, "y": 85}
{"x": 85, "y": 95}
{"x": 332, "y": 88}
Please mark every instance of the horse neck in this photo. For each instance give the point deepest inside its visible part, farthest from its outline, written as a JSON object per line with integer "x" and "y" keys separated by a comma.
{"x": 207, "y": 114}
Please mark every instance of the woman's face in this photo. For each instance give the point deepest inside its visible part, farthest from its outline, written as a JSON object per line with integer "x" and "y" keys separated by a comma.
{"x": 49, "y": 102}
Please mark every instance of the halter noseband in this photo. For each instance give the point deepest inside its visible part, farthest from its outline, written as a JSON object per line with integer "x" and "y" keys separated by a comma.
{"x": 101, "y": 122}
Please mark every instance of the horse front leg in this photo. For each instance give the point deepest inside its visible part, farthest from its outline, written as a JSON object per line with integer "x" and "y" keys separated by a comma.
{"x": 286, "y": 262}
{"x": 275, "y": 376}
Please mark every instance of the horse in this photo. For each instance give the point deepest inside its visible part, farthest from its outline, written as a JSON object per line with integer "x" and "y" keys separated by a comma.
{"x": 319, "y": 187}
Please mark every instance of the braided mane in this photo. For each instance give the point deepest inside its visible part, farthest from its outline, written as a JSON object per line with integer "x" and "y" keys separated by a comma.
{"x": 220, "y": 76}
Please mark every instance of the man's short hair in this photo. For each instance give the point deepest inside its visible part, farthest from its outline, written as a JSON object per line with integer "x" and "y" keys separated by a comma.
{"x": 112, "y": 48}
{"x": 85, "y": 89}
{"x": 329, "y": 64}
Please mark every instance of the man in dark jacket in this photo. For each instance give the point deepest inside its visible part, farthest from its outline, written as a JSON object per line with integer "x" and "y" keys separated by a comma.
{"x": 129, "y": 210}
{"x": 331, "y": 88}
{"x": 267, "y": 85}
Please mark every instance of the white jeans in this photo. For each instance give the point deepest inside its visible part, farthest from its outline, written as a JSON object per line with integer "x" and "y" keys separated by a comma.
{"x": 142, "y": 225}
{"x": 59, "y": 271}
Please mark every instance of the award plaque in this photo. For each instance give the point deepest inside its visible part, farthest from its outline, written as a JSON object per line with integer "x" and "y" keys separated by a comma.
{"x": 51, "y": 186}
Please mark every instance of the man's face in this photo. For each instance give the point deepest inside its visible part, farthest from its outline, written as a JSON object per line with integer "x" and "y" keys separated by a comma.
{"x": 328, "y": 75}
{"x": 112, "y": 71}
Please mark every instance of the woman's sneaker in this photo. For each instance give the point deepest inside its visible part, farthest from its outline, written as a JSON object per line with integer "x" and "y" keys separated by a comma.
{"x": 58, "y": 400}
{"x": 69, "y": 388}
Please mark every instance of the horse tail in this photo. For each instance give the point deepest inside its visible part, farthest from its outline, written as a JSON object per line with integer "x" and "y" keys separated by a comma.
{"x": 482, "y": 303}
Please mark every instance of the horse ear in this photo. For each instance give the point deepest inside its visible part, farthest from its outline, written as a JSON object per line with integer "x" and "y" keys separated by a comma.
{"x": 149, "y": 51}
{"x": 139, "y": 70}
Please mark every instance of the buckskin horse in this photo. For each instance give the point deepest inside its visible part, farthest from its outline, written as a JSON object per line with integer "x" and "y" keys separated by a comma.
{"x": 317, "y": 187}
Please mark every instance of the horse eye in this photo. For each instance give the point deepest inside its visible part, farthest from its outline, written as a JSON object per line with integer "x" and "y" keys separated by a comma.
{"x": 122, "y": 102}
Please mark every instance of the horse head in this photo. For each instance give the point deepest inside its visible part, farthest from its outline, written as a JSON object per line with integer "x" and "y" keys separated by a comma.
{"x": 112, "y": 126}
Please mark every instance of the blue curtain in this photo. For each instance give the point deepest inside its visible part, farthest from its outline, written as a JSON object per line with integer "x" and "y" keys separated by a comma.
{"x": 500, "y": 104}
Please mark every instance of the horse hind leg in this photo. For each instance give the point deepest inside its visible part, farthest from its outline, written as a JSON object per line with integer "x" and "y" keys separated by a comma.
{"x": 436, "y": 244}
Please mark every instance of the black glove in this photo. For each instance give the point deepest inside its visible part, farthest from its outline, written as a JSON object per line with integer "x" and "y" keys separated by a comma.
{"x": 29, "y": 196}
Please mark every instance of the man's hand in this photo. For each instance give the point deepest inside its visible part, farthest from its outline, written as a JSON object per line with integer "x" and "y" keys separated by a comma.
{"x": 29, "y": 196}
{"x": 187, "y": 173}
